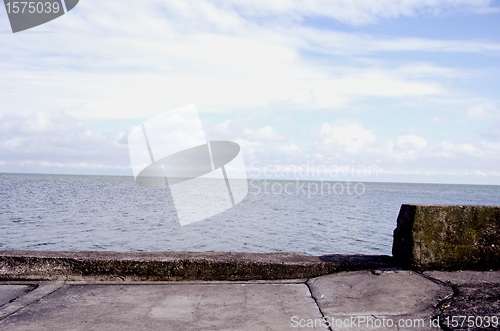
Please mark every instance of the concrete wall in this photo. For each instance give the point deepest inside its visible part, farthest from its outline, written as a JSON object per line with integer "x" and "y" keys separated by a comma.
{"x": 448, "y": 237}
{"x": 171, "y": 266}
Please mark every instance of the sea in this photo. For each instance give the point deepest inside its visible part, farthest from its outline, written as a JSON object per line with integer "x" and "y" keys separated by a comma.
{"x": 111, "y": 213}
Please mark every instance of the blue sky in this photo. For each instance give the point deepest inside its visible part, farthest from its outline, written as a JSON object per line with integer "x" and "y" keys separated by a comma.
{"x": 408, "y": 87}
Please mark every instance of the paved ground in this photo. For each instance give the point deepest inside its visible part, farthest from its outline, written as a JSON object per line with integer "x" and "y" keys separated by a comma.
{"x": 391, "y": 299}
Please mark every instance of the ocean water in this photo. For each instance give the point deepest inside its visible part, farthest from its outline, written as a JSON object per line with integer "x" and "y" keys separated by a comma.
{"x": 60, "y": 212}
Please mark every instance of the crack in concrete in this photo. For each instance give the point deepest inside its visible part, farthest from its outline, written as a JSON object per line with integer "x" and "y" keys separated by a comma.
{"x": 317, "y": 305}
{"x": 31, "y": 287}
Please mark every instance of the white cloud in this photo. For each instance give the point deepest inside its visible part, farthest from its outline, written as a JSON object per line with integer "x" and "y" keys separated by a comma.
{"x": 266, "y": 133}
{"x": 439, "y": 120}
{"x": 493, "y": 131}
{"x": 349, "y": 136}
{"x": 348, "y": 43}
{"x": 291, "y": 148}
{"x": 57, "y": 140}
{"x": 167, "y": 54}
{"x": 238, "y": 129}
{"x": 350, "y": 142}
{"x": 410, "y": 141}
{"x": 359, "y": 12}
{"x": 259, "y": 144}
{"x": 483, "y": 111}
{"x": 113, "y": 61}
{"x": 480, "y": 152}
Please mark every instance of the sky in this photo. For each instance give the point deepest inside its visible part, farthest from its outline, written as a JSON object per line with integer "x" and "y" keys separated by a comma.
{"x": 388, "y": 90}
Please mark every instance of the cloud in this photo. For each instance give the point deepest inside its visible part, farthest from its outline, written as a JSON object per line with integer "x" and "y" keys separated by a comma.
{"x": 58, "y": 143}
{"x": 350, "y": 137}
{"x": 238, "y": 129}
{"x": 410, "y": 141}
{"x": 346, "y": 142}
{"x": 55, "y": 140}
{"x": 217, "y": 55}
{"x": 483, "y": 111}
{"x": 291, "y": 148}
{"x": 358, "y": 12}
{"x": 266, "y": 133}
{"x": 349, "y": 43}
{"x": 263, "y": 144}
{"x": 439, "y": 120}
{"x": 257, "y": 57}
{"x": 493, "y": 131}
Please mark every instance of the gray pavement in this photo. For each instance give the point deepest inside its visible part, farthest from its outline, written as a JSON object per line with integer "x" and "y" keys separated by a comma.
{"x": 390, "y": 299}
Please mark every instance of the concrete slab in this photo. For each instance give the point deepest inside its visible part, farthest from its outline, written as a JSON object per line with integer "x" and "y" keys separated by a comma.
{"x": 177, "y": 306}
{"x": 353, "y": 300}
{"x": 11, "y": 292}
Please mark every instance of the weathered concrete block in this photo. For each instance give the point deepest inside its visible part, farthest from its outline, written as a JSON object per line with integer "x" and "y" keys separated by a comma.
{"x": 447, "y": 237}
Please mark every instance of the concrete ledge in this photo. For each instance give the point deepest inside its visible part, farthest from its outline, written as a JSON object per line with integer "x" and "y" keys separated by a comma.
{"x": 175, "y": 266}
{"x": 447, "y": 237}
